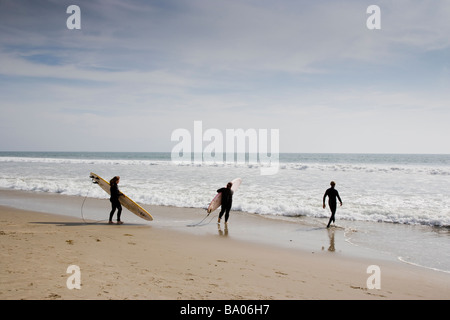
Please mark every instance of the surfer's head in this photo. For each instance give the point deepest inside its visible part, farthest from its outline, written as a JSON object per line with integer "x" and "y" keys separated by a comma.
{"x": 332, "y": 183}
{"x": 229, "y": 184}
{"x": 115, "y": 180}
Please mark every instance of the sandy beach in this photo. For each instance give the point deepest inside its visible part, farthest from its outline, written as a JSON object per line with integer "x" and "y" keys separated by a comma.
{"x": 145, "y": 261}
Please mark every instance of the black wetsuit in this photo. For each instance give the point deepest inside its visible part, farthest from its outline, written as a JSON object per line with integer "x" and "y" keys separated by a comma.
{"x": 332, "y": 194}
{"x": 227, "y": 202}
{"x": 115, "y": 203}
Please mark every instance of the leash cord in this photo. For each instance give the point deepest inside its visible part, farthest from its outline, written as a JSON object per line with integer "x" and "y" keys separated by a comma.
{"x": 82, "y": 206}
{"x": 199, "y": 223}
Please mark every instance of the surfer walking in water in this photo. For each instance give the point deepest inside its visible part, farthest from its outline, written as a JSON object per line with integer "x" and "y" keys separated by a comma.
{"x": 227, "y": 201}
{"x": 115, "y": 203}
{"x": 332, "y": 194}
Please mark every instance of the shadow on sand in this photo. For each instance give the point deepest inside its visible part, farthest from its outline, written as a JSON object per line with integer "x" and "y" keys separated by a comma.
{"x": 82, "y": 223}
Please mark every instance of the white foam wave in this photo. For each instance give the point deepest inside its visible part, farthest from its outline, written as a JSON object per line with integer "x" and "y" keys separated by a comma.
{"x": 366, "y": 168}
{"x": 407, "y": 261}
{"x": 371, "y": 192}
{"x": 243, "y": 202}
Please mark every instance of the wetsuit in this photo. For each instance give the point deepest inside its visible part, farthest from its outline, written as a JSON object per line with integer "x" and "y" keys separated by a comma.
{"x": 115, "y": 203}
{"x": 332, "y": 194}
{"x": 227, "y": 201}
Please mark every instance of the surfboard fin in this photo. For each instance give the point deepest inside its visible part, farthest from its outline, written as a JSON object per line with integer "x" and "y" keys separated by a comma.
{"x": 94, "y": 179}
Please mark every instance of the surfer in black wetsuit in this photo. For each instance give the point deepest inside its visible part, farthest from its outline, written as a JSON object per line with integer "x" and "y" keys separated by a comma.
{"x": 227, "y": 201}
{"x": 115, "y": 203}
{"x": 332, "y": 194}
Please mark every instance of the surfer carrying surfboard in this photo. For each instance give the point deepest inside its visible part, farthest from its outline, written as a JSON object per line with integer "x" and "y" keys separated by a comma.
{"x": 227, "y": 201}
{"x": 332, "y": 194}
{"x": 115, "y": 203}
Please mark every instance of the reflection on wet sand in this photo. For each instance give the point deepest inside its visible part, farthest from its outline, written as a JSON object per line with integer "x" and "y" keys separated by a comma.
{"x": 331, "y": 237}
{"x": 224, "y": 232}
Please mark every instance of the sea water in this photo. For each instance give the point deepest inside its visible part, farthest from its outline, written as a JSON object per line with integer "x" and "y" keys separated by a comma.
{"x": 397, "y": 203}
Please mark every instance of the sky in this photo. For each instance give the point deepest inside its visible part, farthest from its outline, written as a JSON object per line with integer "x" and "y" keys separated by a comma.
{"x": 138, "y": 70}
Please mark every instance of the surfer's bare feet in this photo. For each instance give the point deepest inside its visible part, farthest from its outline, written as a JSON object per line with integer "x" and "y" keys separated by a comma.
{"x": 119, "y": 222}
{"x": 218, "y": 221}
{"x": 110, "y": 222}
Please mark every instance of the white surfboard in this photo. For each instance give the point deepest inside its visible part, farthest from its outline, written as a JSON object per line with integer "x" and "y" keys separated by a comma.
{"x": 124, "y": 200}
{"x": 217, "y": 201}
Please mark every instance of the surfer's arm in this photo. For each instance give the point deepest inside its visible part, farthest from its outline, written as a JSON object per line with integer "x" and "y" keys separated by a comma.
{"x": 337, "y": 194}
{"x": 324, "y": 197}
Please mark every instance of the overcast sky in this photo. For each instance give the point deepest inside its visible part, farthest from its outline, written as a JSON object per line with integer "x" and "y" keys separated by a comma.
{"x": 138, "y": 70}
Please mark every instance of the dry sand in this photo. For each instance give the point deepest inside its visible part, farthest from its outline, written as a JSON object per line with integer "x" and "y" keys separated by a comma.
{"x": 133, "y": 261}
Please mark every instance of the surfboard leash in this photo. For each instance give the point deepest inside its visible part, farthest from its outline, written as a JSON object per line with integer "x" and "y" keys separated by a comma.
{"x": 200, "y": 223}
{"x": 82, "y": 205}
{"x": 84, "y": 200}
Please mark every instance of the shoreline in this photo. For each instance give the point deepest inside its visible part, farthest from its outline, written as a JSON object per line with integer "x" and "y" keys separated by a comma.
{"x": 350, "y": 238}
{"x": 163, "y": 261}
{"x": 306, "y": 234}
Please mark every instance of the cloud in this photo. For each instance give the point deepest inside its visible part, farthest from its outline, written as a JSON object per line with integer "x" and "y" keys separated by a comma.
{"x": 154, "y": 66}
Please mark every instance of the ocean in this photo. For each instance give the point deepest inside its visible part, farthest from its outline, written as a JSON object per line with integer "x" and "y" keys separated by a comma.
{"x": 400, "y": 200}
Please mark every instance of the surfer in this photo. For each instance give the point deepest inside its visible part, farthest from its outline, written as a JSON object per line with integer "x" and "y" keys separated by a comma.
{"x": 227, "y": 201}
{"x": 332, "y": 194}
{"x": 115, "y": 203}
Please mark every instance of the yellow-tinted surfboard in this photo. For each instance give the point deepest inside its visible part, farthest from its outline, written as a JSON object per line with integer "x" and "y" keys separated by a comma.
{"x": 124, "y": 200}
